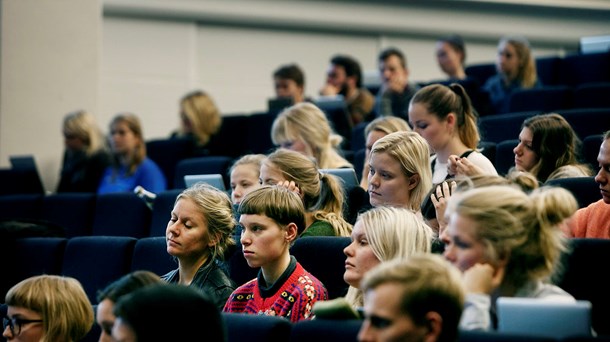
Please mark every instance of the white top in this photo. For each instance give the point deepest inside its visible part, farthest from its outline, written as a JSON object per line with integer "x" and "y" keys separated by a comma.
{"x": 477, "y": 158}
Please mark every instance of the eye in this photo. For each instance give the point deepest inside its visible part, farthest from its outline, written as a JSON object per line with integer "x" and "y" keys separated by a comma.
{"x": 422, "y": 126}
{"x": 379, "y": 322}
{"x": 363, "y": 242}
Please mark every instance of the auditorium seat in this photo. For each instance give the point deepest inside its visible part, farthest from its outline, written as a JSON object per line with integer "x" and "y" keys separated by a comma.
{"x": 587, "y": 121}
{"x": 20, "y": 206}
{"x": 166, "y": 153}
{"x": 121, "y": 214}
{"x": 582, "y": 278}
{"x": 230, "y": 140}
{"x": 547, "y": 69}
{"x": 358, "y": 140}
{"x": 505, "y": 157}
{"x": 161, "y": 211}
{"x": 72, "y": 211}
{"x": 323, "y": 257}
{"x": 201, "y": 166}
{"x": 325, "y": 330}
{"x": 150, "y": 254}
{"x": 96, "y": 261}
{"x": 258, "y": 137}
{"x": 545, "y": 99}
{"x": 359, "y": 162}
{"x": 481, "y": 72}
{"x": 239, "y": 271}
{"x": 590, "y": 149}
{"x": 577, "y": 69}
{"x": 584, "y": 189}
{"x": 592, "y": 95}
{"x": 497, "y": 128}
{"x": 243, "y": 327}
{"x": 337, "y": 114}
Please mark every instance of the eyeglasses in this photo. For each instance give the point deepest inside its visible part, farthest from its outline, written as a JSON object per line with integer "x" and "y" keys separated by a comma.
{"x": 17, "y": 323}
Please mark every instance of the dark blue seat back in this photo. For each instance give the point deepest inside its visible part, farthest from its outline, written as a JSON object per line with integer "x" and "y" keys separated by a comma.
{"x": 592, "y": 95}
{"x": 96, "y": 261}
{"x": 242, "y": 327}
{"x": 325, "y": 330}
{"x": 73, "y": 211}
{"x": 497, "y": 128}
{"x": 161, "y": 211}
{"x": 230, "y": 140}
{"x": 584, "y": 189}
{"x": 20, "y": 206}
{"x": 338, "y": 117}
{"x": 258, "y": 138}
{"x": 578, "y": 69}
{"x": 323, "y": 257}
{"x": 590, "y": 149}
{"x": 239, "y": 270}
{"x": 121, "y": 214}
{"x": 150, "y": 254}
{"x": 587, "y": 121}
{"x": 201, "y": 166}
{"x": 481, "y": 72}
{"x": 547, "y": 69}
{"x": 505, "y": 157}
{"x": 166, "y": 153}
{"x": 545, "y": 99}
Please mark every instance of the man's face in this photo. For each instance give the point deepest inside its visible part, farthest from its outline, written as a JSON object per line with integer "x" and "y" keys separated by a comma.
{"x": 337, "y": 77}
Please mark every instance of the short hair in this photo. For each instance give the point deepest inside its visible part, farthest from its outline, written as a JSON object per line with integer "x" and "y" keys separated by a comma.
{"x": 441, "y": 100}
{"x": 457, "y": 43}
{"x": 277, "y": 203}
{"x": 134, "y": 125}
{"x": 554, "y": 142}
{"x": 322, "y": 193}
{"x": 523, "y": 227}
{"x": 351, "y": 67}
{"x": 429, "y": 283}
{"x": 290, "y": 72}
{"x": 217, "y": 210}
{"x": 82, "y": 125}
{"x": 200, "y": 109}
{"x": 387, "y": 125}
{"x": 392, "y": 51}
{"x": 526, "y": 75}
{"x": 65, "y": 310}
{"x": 146, "y": 310}
{"x": 307, "y": 122}
{"x": 413, "y": 154}
{"x": 127, "y": 284}
{"x": 392, "y": 233}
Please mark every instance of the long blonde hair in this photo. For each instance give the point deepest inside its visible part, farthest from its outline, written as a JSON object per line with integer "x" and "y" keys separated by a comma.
{"x": 200, "y": 110}
{"x": 526, "y": 75}
{"x": 82, "y": 125}
{"x": 137, "y": 156}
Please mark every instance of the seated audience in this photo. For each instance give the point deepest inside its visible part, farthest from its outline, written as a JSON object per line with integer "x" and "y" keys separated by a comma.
{"x": 400, "y": 173}
{"x": 451, "y": 56}
{"x": 379, "y": 235}
{"x": 86, "y": 155}
{"x": 289, "y": 81}
{"x": 516, "y": 69}
{"x": 47, "y": 308}
{"x": 130, "y": 166}
{"x": 304, "y": 128}
{"x": 444, "y": 116}
{"x": 396, "y": 91}
{"x": 200, "y": 119}
{"x": 344, "y": 77}
{"x": 167, "y": 312}
{"x": 108, "y": 296}
{"x": 507, "y": 244}
{"x": 374, "y": 131}
{"x": 272, "y": 218}
{"x": 594, "y": 220}
{"x": 417, "y": 299}
{"x": 198, "y": 235}
{"x": 321, "y": 193}
{"x": 245, "y": 176}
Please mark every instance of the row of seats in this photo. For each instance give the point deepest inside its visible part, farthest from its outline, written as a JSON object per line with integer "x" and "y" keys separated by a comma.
{"x": 96, "y": 261}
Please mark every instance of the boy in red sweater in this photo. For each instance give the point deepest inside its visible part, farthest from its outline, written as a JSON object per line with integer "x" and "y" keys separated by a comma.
{"x": 271, "y": 219}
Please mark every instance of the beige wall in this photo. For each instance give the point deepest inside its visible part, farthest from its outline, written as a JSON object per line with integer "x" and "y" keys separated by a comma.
{"x": 142, "y": 56}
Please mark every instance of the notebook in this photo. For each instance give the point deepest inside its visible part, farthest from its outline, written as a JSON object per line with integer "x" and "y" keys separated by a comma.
{"x": 544, "y": 317}
{"x": 347, "y": 176}
{"x": 26, "y": 165}
{"x": 214, "y": 180}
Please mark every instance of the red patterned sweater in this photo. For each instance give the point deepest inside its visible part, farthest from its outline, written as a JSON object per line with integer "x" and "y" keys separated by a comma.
{"x": 293, "y": 298}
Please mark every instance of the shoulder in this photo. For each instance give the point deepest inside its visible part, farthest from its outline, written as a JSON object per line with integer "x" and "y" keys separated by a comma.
{"x": 319, "y": 228}
{"x": 570, "y": 171}
{"x": 306, "y": 280}
{"x": 480, "y": 160}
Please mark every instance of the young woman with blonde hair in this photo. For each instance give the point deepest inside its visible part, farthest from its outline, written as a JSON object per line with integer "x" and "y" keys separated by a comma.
{"x": 304, "y": 128}
{"x": 322, "y": 193}
{"x": 199, "y": 118}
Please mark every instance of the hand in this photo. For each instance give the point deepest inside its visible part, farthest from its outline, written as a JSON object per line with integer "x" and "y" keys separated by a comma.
{"x": 290, "y": 185}
{"x": 482, "y": 278}
{"x": 464, "y": 167}
{"x": 396, "y": 83}
{"x": 439, "y": 198}
{"x": 329, "y": 90}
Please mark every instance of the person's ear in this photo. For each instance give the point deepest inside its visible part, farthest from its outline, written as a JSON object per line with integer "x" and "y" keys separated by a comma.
{"x": 291, "y": 232}
{"x": 214, "y": 239}
{"x": 451, "y": 119}
{"x": 413, "y": 181}
{"x": 434, "y": 325}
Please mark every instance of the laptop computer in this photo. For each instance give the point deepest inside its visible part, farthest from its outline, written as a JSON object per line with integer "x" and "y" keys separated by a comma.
{"x": 214, "y": 180}
{"x": 347, "y": 176}
{"x": 544, "y": 317}
{"x": 25, "y": 167}
{"x": 277, "y": 104}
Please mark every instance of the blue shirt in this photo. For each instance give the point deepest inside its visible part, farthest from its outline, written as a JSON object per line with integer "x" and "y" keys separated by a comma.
{"x": 148, "y": 175}
{"x": 499, "y": 93}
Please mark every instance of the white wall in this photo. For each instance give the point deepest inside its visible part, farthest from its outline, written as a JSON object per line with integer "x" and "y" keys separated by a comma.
{"x": 142, "y": 56}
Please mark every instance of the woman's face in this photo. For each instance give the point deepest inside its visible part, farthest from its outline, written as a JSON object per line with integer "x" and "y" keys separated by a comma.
{"x": 271, "y": 175}
{"x": 187, "y": 233}
{"x": 123, "y": 140}
{"x": 388, "y": 184}
{"x": 508, "y": 60}
{"x": 525, "y": 157}
{"x": 360, "y": 257}
{"x": 462, "y": 246}
{"x": 371, "y": 138}
{"x": 298, "y": 145}
{"x": 105, "y": 319}
{"x": 449, "y": 60}
{"x": 436, "y": 132}
{"x": 244, "y": 179}
{"x": 123, "y": 332}
{"x": 26, "y": 324}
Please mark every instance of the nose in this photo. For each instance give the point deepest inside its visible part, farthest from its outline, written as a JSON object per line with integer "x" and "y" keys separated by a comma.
{"x": 517, "y": 149}
{"x": 365, "y": 333}
{"x": 373, "y": 180}
{"x": 244, "y": 239}
{"x": 599, "y": 177}
{"x": 348, "y": 250}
